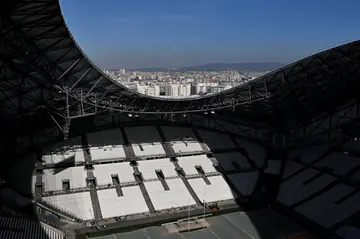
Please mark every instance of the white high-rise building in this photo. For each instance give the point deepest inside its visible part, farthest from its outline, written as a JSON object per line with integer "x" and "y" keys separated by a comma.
{"x": 152, "y": 90}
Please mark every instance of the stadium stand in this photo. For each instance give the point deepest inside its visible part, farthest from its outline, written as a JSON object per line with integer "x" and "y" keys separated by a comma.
{"x": 189, "y": 164}
{"x": 177, "y": 134}
{"x": 107, "y": 153}
{"x": 255, "y": 152}
{"x": 146, "y": 150}
{"x": 54, "y": 179}
{"x": 216, "y": 140}
{"x": 17, "y": 225}
{"x": 338, "y": 162}
{"x": 68, "y": 156}
{"x": 78, "y": 203}
{"x": 349, "y": 232}
{"x": 131, "y": 203}
{"x": 105, "y": 138}
{"x": 329, "y": 210}
{"x": 217, "y": 190}
{"x": 43, "y": 72}
{"x": 104, "y": 173}
{"x": 148, "y": 168}
{"x": 302, "y": 185}
{"x": 228, "y": 161}
{"x": 176, "y": 197}
{"x": 186, "y": 147}
{"x": 244, "y": 182}
{"x": 273, "y": 167}
{"x": 144, "y": 134}
{"x": 319, "y": 182}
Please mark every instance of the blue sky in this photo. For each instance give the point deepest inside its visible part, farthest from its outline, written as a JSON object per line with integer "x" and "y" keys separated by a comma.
{"x": 173, "y": 33}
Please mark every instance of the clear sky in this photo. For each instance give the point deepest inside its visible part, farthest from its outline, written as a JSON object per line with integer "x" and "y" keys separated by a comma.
{"x": 172, "y": 33}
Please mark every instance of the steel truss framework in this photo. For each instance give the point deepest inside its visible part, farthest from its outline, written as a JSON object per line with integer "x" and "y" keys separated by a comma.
{"x": 46, "y": 79}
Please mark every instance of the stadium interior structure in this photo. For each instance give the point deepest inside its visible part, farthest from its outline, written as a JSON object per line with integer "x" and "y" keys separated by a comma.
{"x": 83, "y": 156}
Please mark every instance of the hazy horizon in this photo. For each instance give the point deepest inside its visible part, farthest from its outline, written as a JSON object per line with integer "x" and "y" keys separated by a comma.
{"x": 163, "y": 34}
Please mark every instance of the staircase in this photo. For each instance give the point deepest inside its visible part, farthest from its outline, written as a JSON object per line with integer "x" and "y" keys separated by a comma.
{"x": 187, "y": 184}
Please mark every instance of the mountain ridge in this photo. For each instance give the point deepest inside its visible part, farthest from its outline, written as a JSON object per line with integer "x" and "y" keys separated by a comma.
{"x": 244, "y": 66}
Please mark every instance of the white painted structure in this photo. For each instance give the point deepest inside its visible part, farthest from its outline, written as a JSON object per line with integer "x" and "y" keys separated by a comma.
{"x": 216, "y": 140}
{"x": 53, "y": 178}
{"x": 177, "y": 196}
{"x": 177, "y": 133}
{"x": 60, "y": 156}
{"x": 218, "y": 190}
{"x": 186, "y": 147}
{"x": 323, "y": 209}
{"x": 188, "y": 163}
{"x": 104, "y": 138}
{"x": 225, "y": 160}
{"x": 103, "y": 173}
{"x": 107, "y": 153}
{"x": 148, "y": 168}
{"x": 244, "y": 182}
{"x": 148, "y": 149}
{"x": 142, "y": 134}
{"x": 293, "y": 190}
{"x": 77, "y": 203}
{"x": 132, "y": 202}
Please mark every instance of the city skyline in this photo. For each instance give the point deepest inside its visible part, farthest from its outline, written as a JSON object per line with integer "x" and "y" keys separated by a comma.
{"x": 163, "y": 34}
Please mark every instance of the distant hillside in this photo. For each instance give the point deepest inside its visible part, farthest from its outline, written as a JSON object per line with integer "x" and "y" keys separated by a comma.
{"x": 260, "y": 67}
{"x": 255, "y": 67}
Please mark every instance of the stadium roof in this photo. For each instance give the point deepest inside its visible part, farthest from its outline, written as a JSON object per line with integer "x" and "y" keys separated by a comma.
{"x": 41, "y": 63}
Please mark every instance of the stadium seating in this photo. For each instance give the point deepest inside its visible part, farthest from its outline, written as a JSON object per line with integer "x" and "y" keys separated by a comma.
{"x": 148, "y": 149}
{"x": 105, "y": 138}
{"x": 189, "y": 163}
{"x": 177, "y": 197}
{"x": 244, "y": 182}
{"x": 107, "y": 153}
{"x": 143, "y": 134}
{"x": 77, "y": 203}
{"x": 338, "y": 162}
{"x": 132, "y": 202}
{"x": 53, "y": 178}
{"x": 216, "y": 140}
{"x": 255, "y": 152}
{"x": 218, "y": 190}
{"x": 104, "y": 172}
{"x": 148, "y": 168}
{"x": 177, "y": 133}
{"x": 273, "y": 167}
{"x": 349, "y": 232}
{"x": 297, "y": 188}
{"x": 186, "y": 147}
{"x": 226, "y": 161}
{"x": 328, "y": 212}
{"x": 64, "y": 156}
{"x": 314, "y": 184}
{"x": 309, "y": 154}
